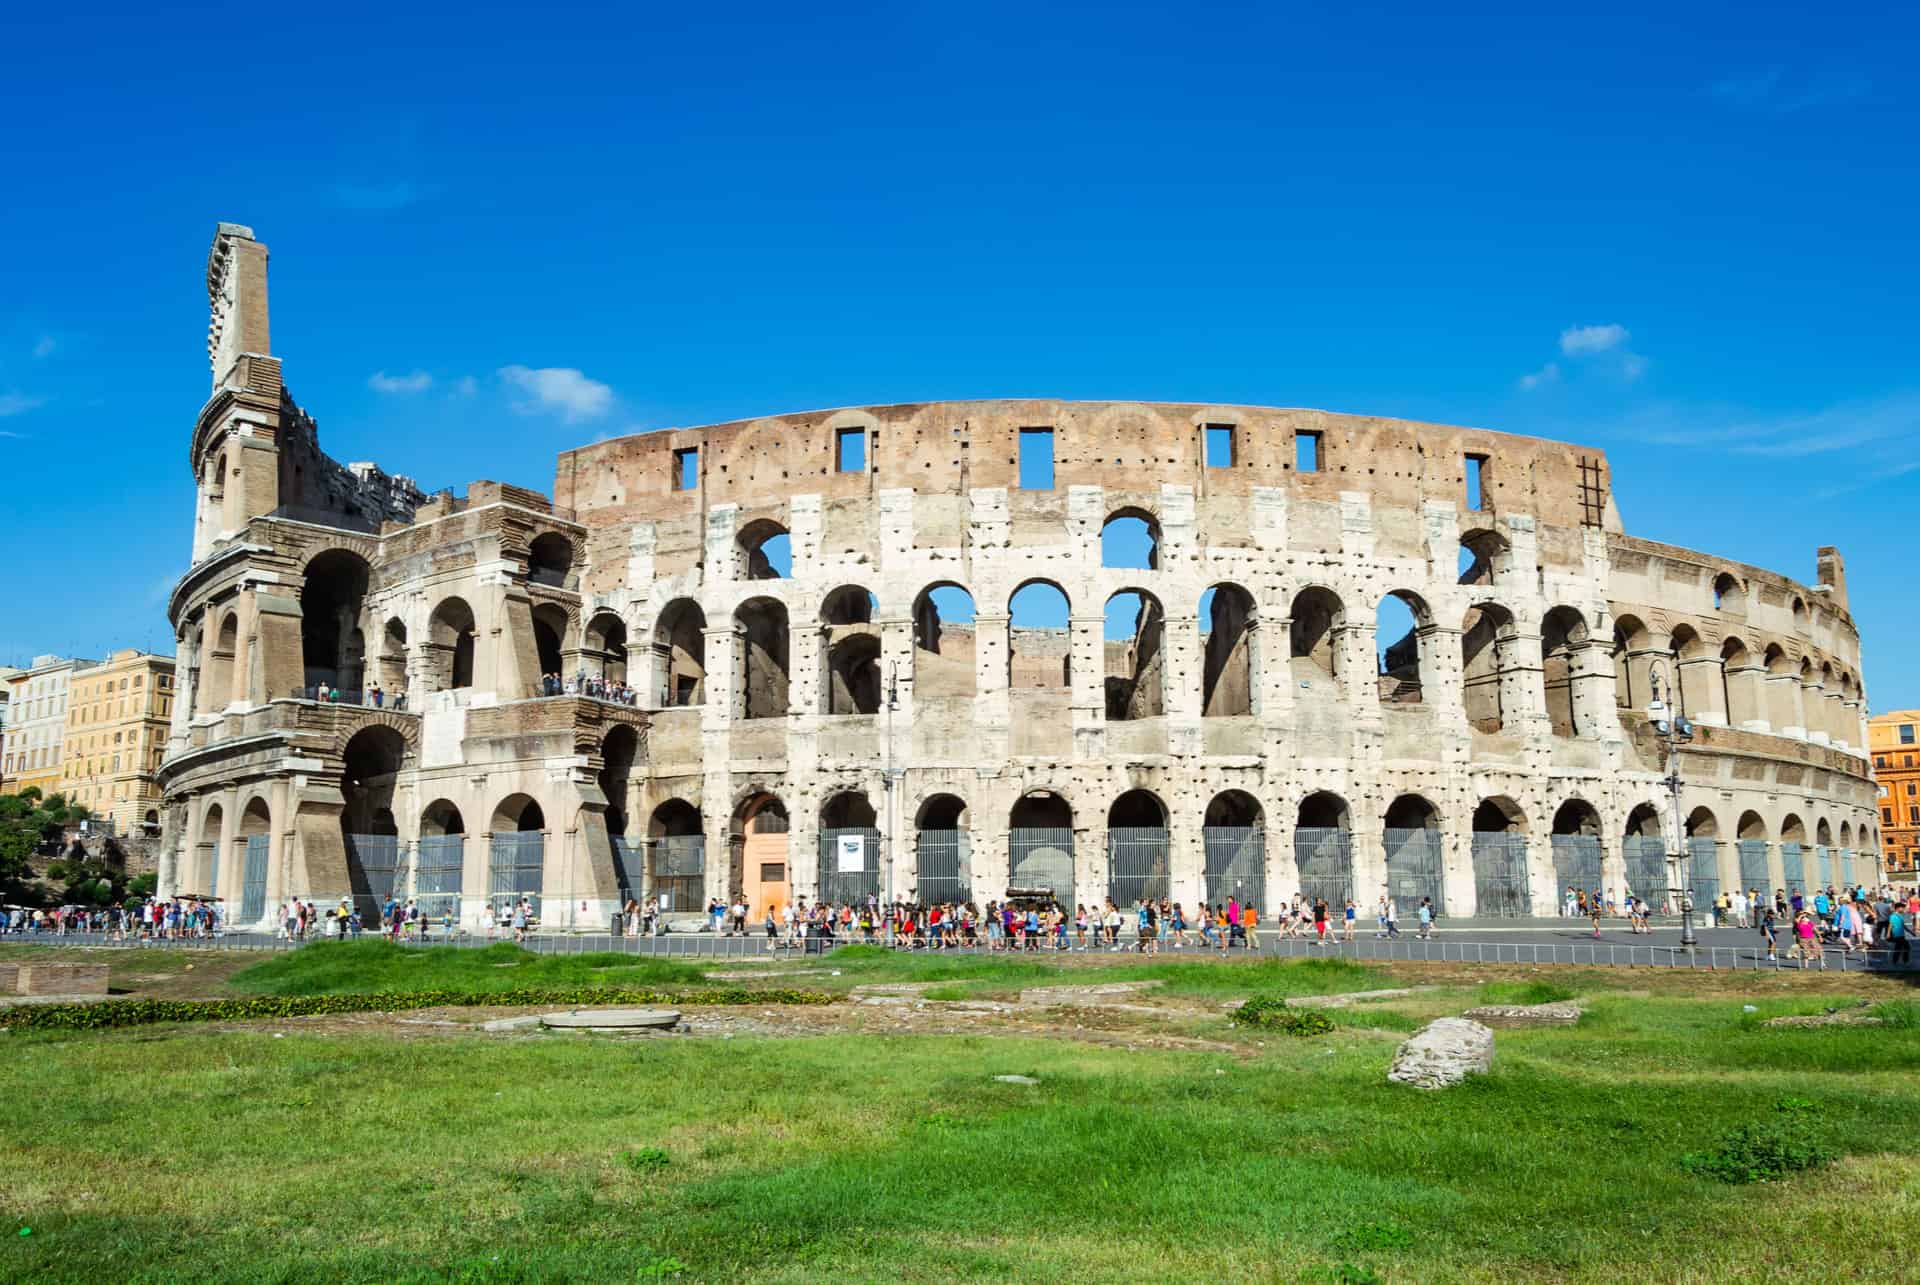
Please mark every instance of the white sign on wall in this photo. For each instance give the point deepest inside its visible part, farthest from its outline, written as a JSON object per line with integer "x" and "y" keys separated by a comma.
{"x": 852, "y": 854}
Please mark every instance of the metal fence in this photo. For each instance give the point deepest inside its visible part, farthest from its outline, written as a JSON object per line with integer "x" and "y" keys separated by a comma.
{"x": 1647, "y": 874}
{"x": 845, "y": 882}
{"x": 1137, "y": 864}
{"x": 439, "y": 873}
{"x": 1846, "y": 866}
{"x": 210, "y": 862}
{"x": 1754, "y": 874}
{"x": 1792, "y": 868}
{"x": 1324, "y": 857}
{"x": 1704, "y": 871}
{"x": 516, "y": 867}
{"x": 680, "y": 871}
{"x": 1414, "y": 869}
{"x": 1576, "y": 864}
{"x": 1236, "y": 865}
{"x": 374, "y": 864}
{"x": 1500, "y": 884}
{"x": 253, "y": 880}
{"x": 940, "y": 867}
{"x": 629, "y": 868}
{"x": 1823, "y": 865}
{"x": 1040, "y": 863}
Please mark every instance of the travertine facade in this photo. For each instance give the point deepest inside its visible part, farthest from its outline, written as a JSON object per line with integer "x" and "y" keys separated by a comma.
{"x": 817, "y": 728}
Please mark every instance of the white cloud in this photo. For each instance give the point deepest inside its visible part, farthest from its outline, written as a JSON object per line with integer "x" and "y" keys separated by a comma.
{"x": 466, "y": 385}
{"x": 1547, "y": 374}
{"x": 43, "y": 348}
{"x": 18, "y": 404}
{"x": 417, "y": 382}
{"x": 1579, "y": 341}
{"x": 559, "y": 388}
{"x": 18, "y": 437}
{"x": 1633, "y": 365}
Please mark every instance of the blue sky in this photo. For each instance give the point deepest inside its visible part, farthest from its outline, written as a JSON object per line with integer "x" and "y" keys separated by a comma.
{"x": 1684, "y": 235}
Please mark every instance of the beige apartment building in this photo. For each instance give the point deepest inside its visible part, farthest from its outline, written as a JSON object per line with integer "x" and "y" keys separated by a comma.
{"x": 37, "y": 723}
{"x": 116, "y": 733}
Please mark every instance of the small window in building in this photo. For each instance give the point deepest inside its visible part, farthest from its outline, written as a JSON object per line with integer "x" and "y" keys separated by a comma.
{"x": 1476, "y": 481}
{"x": 850, "y": 450}
{"x": 1906, "y": 733}
{"x": 1306, "y": 452}
{"x": 1910, "y": 789}
{"x": 1886, "y": 816}
{"x": 1036, "y": 459}
{"x": 773, "y": 872}
{"x": 1913, "y": 816}
{"x": 686, "y": 469}
{"x": 1219, "y": 446}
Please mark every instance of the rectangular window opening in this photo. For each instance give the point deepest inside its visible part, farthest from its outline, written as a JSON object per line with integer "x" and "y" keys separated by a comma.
{"x": 1476, "y": 482}
{"x": 1036, "y": 459}
{"x": 1219, "y": 446}
{"x": 686, "y": 469}
{"x": 1906, "y": 733}
{"x": 1306, "y": 452}
{"x": 850, "y": 450}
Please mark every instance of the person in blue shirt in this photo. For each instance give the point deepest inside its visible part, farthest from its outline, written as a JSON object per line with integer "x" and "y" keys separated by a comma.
{"x": 1897, "y": 933}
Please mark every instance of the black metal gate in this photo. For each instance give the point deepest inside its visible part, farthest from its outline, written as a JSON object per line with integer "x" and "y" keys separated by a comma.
{"x": 253, "y": 879}
{"x": 1324, "y": 857}
{"x": 1500, "y": 884}
{"x": 851, "y": 879}
{"x": 1576, "y": 864}
{"x": 516, "y": 869}
{"x": 373, "y": 870}
{"x": 1647, "y": 874}
{"x": 1703, "y": 861}
{"x": 1754, "y": 875}
{"x": 1040, "y": 864}
{"x": 940, "y": 868}
{"x": 439, "y": 874}
{"x": 1236, "y": 865}
{"x": 1137, "y": 865}
{"x": 629, "y": 868}
{"x": 680, "y": 872}
{"x": 1793, "y": 868}
{"x": 1414, "y": 869}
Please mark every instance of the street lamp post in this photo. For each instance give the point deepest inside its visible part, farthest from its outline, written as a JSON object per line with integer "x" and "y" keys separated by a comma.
{"x": 1675, "y": 732}
{"x": 892, "y": 695}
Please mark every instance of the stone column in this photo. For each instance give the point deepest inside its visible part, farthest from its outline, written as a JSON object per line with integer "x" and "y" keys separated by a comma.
{"x": 1591, "y": 673}
{"x": 1086, "y": 649}
{"x": 1813, "y": 711}
{"x": 1701, "y": 690}
{"x": 1747, "y": 698}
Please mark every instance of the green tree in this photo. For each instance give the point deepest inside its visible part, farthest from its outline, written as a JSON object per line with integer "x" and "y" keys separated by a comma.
{"x": 29, "y": 823}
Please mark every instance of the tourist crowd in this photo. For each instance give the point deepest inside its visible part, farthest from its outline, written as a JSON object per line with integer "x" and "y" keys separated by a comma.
{"x": 583, "y": 684}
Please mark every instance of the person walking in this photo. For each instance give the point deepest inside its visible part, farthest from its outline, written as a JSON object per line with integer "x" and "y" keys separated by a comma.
{"x": 1391, "y": 913}
{"x": 1352, "y": 911}
{"x": 1769, "y": 933}
{"x": 1426, "y": 918}
{"x": 1594, "y": 910}
{"x": 1897, "y": 930}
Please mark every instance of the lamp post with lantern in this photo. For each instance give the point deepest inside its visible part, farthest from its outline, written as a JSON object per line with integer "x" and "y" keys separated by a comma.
{"x": 1674, "y": 730}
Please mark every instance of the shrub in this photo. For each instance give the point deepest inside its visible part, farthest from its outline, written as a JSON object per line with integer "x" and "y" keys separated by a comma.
{"x": 1524, "y": 993}
{"x": 1270, "y": 1012}
{"x": 647, "y": 1159}
{"x": 1903, "y": 1014}
{"x": 1767, "y": 1150}
{"x": 1374, "y": 1236}
{"x": 141, "y": 1012}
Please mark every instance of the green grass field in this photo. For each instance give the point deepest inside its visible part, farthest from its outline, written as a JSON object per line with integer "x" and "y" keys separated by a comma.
{"x": 308, "y": 1150}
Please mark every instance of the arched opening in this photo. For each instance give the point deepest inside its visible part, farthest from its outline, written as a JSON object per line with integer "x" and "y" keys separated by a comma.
{"x": 217, "y": 671}
{"x": 1698, "y": 685}
{"x": 760, "y": 641}
{"x": 761, "y": 874}
{"x": 1313, "y": 639}
{"x": 1323, "y": 849}
{"x": 1411, "y": 834}
{"x": 850, "y": 649}
{"x": 1562, "y": 634}
{"x": 516, "y": 855}
{"x": 550, "y": 560}
{"x": 606, "y": 647}
{"x": 849, "y": 850}
{"x": 1039, "y": 647}
{"x": 766, "y": 550}
{"x": 440, "y": 860}
{"x": 333, "y": 595}
{"x": 943, "y": 643}
{"x": 1576, "y": 850}
{"x": 1137, "y": 849}
{"x": 207, "y": 852}
{"x": 1729, "y": 595}
{"x": 617, "y": 754}
{"x": 680, "y": 654}
{"x": 1234, "y": 834}
{"x": 1040, "y": 850}
{"x": 1483, "y": 558}
{"x": 549, "y": 636}
{"x": 370, "y": 769}
{"x": 941, "y": 852}
{"x": 1643, "y": 847}
{"x": 677, "y": 877}
{"x": 1824, "y": 852}
{"x": 1742, "y": 690}
{"x": 1227, "y": 621}
{"x": 1397, "y": 625}
{"x": 1130, "y": 539}
{"x": 256, "y": 846}
{"x": 1782, "y": 691}
{"x": 1632, "y": 663}
{"x": 1488, "y": 669}
{"x": 1703, "y": 858}
{"x": 1135, "y": 654}
{"x": 1751, "y": 841}
{"x": 1500, "y": 884}
{"x": 393, "y": 660}
{"x": 451, "y": 642}
{"x": 1793, "y": 854}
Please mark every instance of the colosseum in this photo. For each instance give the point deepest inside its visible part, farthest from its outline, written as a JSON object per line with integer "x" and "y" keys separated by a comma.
{"x": 954, "y": 650}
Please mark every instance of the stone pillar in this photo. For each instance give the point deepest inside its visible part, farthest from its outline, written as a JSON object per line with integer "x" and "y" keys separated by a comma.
{"x": 1523, "y": 696}
{"x": 992, "y": 710}
{"x": 1813, "y": 711}
{"x": 1590, "y": 671}
{"x": 726, "y": 681}
{"x": 1442, "y": 674}
{"x": 1702, "y": 694}
{"x": 1086, "y": 650}
{"x": 1747, "y": 698}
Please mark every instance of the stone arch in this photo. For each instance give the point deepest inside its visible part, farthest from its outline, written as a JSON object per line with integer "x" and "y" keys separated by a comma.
{"x": 518, "y": 813}
{"x": 393, "y": 657}
{"x": 1489, "y": 669}
{"x": 766, "y": 550}
{"x": 207, "y": 852}
{"x": 1563, "y": 632}
{"x": 1823, "y": 832}
{"x": 761, "y": 658}
{"x": 371, "y": 761}
{"x": 618, "y": 752}
{"x": 1317, "y": 619}
{"x": 1410, "y": 839}
{"x": 679, "y": 654}
{"x": 1130, "y": 538}
{"x": 1485, "y": 557}
{"x": 407, "y": 729}
{"x": 1643, "y": 821}
{"x": 1742, "y": 680}
{"x": 1136, "y": 808}
{"x": 676, "y": 857}
{"x": 1499, "y": 814}
{"x": 1793, "y": 829}
{"x": 216, "y": 671}
{"x": 1323, "y": 848}
{"x": 1632, "y": 662}
{"x": 550, "y": 560}
{"x": 847, "y": 810}
{"x": 441, "y": 818}
{"x": 1040, "y": 857}
{"x": 551, "y": 637}
{"x": 604, "y": 645}
{"x": 942, "y": 847}
{"x": 759, "y": 861}
{"x": 1039, "y": 652}
{"x": 1729, "y": 594}
{"x": 1402, "y": 616}
{"x": 1576, "y": 816}
{"x": 849, "y": 604}
{"x": 1324, "y": 810}
{"x": 1235, "y": 808}
{"x": 944, "y": 642}
{"x": 1230, "y": 676}
{"x": 849, "y": 652}
{"x": 333, "y": 625}
{"x": 1134, "y": 647}
{"x": 451, "y": 634}
{"x": 1752, "y": 827}
{"x": 1703, "y": 824}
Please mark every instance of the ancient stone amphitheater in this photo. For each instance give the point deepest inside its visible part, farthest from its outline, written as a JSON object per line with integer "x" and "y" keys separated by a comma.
{"x": 966, "y": 649}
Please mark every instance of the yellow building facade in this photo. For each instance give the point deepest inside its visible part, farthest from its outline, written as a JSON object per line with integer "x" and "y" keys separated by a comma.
{"x": 117, "y": 717}
{"x": 1893, "y": 739}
